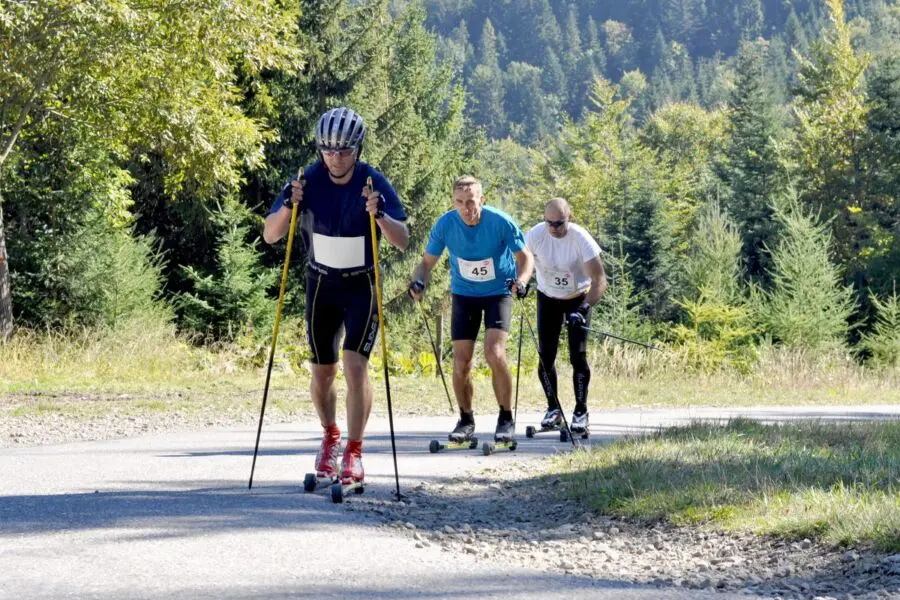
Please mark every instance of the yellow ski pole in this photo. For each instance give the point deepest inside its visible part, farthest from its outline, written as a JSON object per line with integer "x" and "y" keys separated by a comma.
{"x": 284, "y": 274}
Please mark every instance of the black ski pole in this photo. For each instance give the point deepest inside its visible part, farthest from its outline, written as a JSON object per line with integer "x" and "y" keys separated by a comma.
{"x": 616, "y": 337}
{"x": 518, "y": 363}
{"x": 284, "y": 274}
{"x": 437, "y": 355}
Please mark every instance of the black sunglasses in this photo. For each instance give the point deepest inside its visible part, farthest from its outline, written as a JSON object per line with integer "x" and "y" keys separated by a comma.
{"x": 556, "y": 224}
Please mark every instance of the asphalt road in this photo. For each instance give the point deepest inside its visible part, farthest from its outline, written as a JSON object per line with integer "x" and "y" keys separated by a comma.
{"x": 171, "y": 516}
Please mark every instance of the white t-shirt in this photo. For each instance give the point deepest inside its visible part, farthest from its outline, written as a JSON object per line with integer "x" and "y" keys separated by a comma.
{"x": 559, "y": 262}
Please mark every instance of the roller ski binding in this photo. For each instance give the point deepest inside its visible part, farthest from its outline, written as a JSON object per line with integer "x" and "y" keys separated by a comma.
{"x": 504, "y": 437}
{"x": 552, "y": 421}
{"x": 352, "y": 474}
{"x": 579, "y": 426}
{"x": 326, "y": 463}
{"x": 461, "y": 438}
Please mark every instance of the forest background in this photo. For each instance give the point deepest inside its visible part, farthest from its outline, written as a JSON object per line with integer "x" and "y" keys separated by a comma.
{"x": 738, "y": 161}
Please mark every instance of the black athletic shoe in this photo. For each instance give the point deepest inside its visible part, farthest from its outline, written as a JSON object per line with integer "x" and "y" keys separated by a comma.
{"x": 462, "y": 432}
{"x": 505, "y": 429}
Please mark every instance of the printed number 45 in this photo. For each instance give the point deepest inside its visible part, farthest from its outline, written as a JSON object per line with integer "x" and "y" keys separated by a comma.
{"x": 483, "y": 271}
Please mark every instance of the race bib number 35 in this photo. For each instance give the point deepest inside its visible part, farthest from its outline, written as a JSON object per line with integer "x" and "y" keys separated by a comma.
{"x": 561, "y": 282}
{"x": 477, "y": 270}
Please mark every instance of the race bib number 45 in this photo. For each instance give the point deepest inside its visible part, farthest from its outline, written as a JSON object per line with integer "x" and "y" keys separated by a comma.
{"x": 477, "y": 270}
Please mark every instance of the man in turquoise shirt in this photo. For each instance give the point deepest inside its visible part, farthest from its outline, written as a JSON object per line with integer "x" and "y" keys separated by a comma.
{"x": 488, "y": 263}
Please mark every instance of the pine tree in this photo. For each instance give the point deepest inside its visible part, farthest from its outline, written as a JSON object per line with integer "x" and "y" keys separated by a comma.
{"x": 751, "y": 167}
{"x": 486, "y": 96}
{"x": 487, "y": 47}
{"x": 553, "y": 79}
{"x": 831, "y": 110}
{"x": 713, "y": 265}
{"x": 582, "y": 82}
{"x": 572, "y": 47}
{"x": 794, "y": 35}
{"x": 808, "y": 305}
{"x": 883, "y": 133}
{"x": 749, "y": 19}
{"x": 536, "y": 113}
{"x": 594, "y": 47}
{"x": 882, "y": 343}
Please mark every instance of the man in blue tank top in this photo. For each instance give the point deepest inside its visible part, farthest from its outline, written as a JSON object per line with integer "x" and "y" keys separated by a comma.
{"x": 335, "y": 204}
{"x": 488, "y": 263}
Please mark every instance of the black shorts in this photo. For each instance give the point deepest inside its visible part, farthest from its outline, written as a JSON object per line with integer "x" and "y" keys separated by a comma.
{"x": 465, "y": 320}
{"x": 337, "y": 304}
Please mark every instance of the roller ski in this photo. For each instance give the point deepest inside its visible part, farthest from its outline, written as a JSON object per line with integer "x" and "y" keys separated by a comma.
{"x": 552, "y": 421}
{"x": 312, "y": 482}
{"x": 504, "y": 436}
{"x": 580, "y": 427}
{"x": 461, "y": 438}
{"x": 326, "y": 462}
{"x": 352, "y": 474}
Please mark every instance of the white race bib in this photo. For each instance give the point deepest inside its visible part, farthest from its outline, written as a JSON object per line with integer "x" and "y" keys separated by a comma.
{"x": 477, "y": 270}
{"x": 560, "y": 283}
{"x": 339, "y": 252}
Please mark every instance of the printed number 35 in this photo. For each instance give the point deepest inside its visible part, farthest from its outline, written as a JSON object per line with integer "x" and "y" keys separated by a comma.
{"x": 562, "y": 281}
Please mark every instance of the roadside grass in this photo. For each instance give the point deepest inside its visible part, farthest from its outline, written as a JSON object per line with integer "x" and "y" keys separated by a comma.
{"x": 835, "y": 482}
{"x": 149, "y": 367}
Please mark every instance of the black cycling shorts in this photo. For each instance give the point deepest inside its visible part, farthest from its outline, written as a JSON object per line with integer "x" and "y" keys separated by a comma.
{"x": 465, "y": 320}
{"x": 335, "y": 304}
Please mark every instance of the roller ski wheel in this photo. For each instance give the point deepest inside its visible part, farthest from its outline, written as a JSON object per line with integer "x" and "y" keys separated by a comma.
{"x": 340, "y": 490}
{"x": 312, "y": 482}
{"x": 582, "y": 434}
{"x": 532, "y": 431}
{"x": 468, "y": 444}
{"x": 577, "y": 435}
{"x": 489, "y": 448}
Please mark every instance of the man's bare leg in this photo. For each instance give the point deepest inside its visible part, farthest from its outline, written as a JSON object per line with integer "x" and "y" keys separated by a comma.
{"x": 359, "y": 405}
{"x": 324, "y": 397}
{"x": 359, "y": 393}
{"x": 495, "y": 355}
{"x": 463, "y": 352}
{"x": 321, "y": 388}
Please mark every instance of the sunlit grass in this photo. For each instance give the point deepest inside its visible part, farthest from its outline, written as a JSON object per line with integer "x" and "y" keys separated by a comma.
{"x": 835, "y": 482}
{"x": 149, "y": 360}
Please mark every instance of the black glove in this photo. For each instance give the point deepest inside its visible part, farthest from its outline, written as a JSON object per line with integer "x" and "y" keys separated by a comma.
{"x": 415, "y": 287}
{"x": 379, "y": 212}
{"x": 579, "y": 317}
{"x": 289, "y": 190}
{"x": 521, "y": 288}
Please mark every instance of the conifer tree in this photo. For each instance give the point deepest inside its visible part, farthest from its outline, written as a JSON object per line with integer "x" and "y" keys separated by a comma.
{"x": 751, "y": 168}
{"x": 831, "y": 110}
{"x": 808, "y": 305}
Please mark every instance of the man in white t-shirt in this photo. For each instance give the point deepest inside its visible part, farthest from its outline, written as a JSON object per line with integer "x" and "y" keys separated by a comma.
{"x": 570, "y": 280}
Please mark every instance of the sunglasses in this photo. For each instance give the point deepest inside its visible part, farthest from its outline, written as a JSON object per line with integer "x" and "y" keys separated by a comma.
{"x": 343, "y": 152}
{"x": 556, "y": 224}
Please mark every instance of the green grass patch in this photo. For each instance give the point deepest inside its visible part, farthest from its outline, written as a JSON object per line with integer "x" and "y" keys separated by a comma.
{"x": 833, "y": 482}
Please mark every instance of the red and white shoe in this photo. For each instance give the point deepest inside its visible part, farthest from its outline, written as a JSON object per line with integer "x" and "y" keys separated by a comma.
{"x": 327, "y": 457}
{"x": 351, "y": 466}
